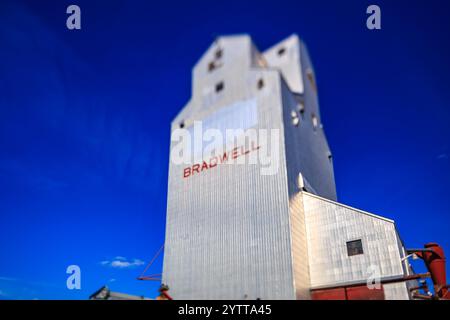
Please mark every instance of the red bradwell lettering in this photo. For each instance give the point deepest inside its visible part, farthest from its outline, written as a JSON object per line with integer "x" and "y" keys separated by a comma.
{"x": 214, "y": 161}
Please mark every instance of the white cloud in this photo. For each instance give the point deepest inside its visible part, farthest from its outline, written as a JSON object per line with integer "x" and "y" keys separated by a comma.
{"x": 120, "y": 258}
{"x": 122, "y": 262}
{"x": 8, "y": 279}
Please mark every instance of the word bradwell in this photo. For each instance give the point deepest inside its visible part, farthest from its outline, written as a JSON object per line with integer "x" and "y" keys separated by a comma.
{"x": 238, "y": 146}
{"x": 212, "y": 163}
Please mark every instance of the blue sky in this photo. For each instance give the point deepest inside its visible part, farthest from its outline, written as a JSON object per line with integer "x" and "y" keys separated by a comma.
{"x": 84, "y": 124}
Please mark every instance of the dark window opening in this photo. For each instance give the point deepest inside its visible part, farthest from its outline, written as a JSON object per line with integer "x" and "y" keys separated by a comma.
{"x": 219, "y": 53}
{"x": 211, "y": 66}
{"x": 281, "y": 51}
{"x": 181, "y": 124}
{"x": 301, "y": 108}
{"x": 354, "y": 247}
{"x": 260, "y": 84}
{"x": 219, "y": 86}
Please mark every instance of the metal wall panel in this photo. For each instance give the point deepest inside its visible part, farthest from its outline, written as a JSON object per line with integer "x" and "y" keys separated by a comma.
{"x": 306, "y": 152}
{"x": 286, "y": 57}
{"x": 330, "y": 225}
{"x": 307, "y": 149}
{"x": 329, "y": 294}
{"x": 396, "y": 291}
{"x": 364, "y": 293}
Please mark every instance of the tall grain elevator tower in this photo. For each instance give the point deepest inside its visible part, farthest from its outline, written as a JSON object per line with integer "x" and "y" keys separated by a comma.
{"x": 235, "y": 233}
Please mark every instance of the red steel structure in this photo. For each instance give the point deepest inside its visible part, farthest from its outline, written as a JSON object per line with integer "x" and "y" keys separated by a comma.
{"x": 434, "y": 258}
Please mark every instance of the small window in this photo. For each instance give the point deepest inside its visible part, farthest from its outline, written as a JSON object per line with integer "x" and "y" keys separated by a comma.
{"x": 301, "y": 108}
{"x": 211, "y": 66}
{"x": 219, "y": 86}
{"x": 260, "y": 84}
{"x": 354, "y": 248}
{"x": 182, "y": 124}
{"x": 281, "y": 51}
{"x": 219, "y": 53}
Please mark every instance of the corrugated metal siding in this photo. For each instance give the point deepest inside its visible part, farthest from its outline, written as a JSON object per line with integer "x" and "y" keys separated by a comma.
{"x": 299, "y": 248}
{"x": 307, "y": 148}
{"x": 330, "y": 225}
{"x": 306, "y": 153}
{"x": 396, "y": 291}
{"x": 227, "y": 232}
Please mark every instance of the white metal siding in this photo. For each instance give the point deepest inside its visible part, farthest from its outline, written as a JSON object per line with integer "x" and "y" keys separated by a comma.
{"x": 227, "y": 232}
{"x": 330, "y": 225}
